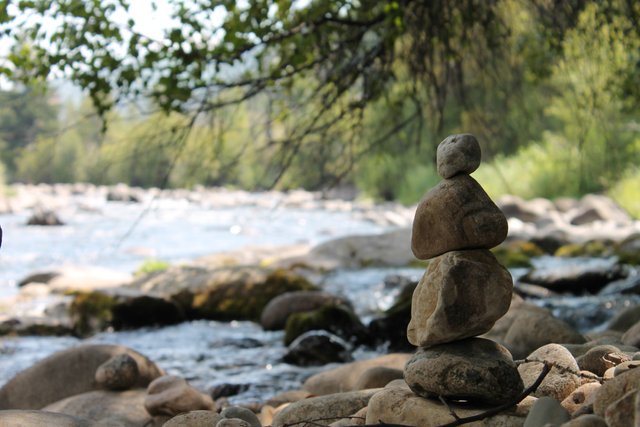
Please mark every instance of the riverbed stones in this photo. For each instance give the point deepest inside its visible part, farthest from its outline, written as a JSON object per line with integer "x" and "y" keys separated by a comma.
{"x": 461, "y": 295}
{"x": 118, "y": 373}
{"x": 475, "y": 369}
{"x": 562, "y": 379}
{"x": 456, "y": 214}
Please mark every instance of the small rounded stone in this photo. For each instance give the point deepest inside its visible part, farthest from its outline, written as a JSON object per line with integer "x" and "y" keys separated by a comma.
{"x": 458, "y": 154}
{"x": 118, "y": 373}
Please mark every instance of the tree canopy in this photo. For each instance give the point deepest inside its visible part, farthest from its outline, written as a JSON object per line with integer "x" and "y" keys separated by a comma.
{"x": 340, "y": 82}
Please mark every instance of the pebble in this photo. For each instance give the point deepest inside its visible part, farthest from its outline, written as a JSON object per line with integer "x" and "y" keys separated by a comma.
{"x": 600, "y": 358}
{"x": 461, "y": 295}
{"x": 458, "y": 154}
{"x": 583, "y": 395}
{"x": 194, "y": 419}
{"x": 473, "y": 369}
{"x": 614, "y": 389}
{"x": 244, "y": 414}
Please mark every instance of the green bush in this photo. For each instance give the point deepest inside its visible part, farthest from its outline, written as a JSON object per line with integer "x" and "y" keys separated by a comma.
{"x": 625, "y": 192}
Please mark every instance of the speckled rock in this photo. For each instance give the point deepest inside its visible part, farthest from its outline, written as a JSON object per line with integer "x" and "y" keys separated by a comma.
{"x": 614, "y": 389}
{"x": 377, "y": 377}
{"x": 118, "y": 373}
{"x": 456, "y": 214}
{"x": 583, "y": 395}
{"x": 473, "y": 369}
{"x": 395, "y": 405}
{"x": 559, "y": 383}
{"x": 330, "y": 408}
{"x": 171, "y": 395}
{"x": 461, "y": 295}
{"x": 194, "y": 419}
{"x": 458, "y": 154}
{"x": 533, "y": 328}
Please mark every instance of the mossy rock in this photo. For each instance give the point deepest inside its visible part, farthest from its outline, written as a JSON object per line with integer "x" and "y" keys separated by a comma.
{"x": 337, "y": 319}
{"x": 592, "y": 248}
{"x": 628, "y": 251}
{"x": 244, "y": 297}
{"x": 517, "y": 253}
{"x": 91, "y": 312}
{"x": 391, "y": 327}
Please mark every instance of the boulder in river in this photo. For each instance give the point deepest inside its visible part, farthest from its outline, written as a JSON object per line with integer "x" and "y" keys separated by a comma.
{"x": 46, "y": 217}
{"x": 316, "y": 348}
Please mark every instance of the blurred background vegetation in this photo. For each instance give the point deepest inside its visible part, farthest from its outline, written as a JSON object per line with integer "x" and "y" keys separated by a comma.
{"x": 550, "y": 89}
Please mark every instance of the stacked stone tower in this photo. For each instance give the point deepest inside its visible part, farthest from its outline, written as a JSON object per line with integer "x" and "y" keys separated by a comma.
{"x": 464, "y": 290}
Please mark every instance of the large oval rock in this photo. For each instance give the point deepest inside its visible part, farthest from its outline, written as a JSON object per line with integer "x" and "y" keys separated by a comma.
{"x": 473, "y": 369}
{"x": 316, "y": 348}
{"x": 75, "y": 368}
{"x": 562, "y": 379}
{"x": 328, "y": 408}
{"x": 400, "y": 406}
{"x": 347, "y": 377}
{"x": 461, "y": 295}
{"x": 31, "y": 418}
{"x": 120, "y": 408}
{"x": 458, "y": 154}
{"x": 534, "y": 327}
{"x": 456, "y": 214}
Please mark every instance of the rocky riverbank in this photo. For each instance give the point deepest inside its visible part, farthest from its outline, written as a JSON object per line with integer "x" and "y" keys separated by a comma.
{"x": 582, "y": 253}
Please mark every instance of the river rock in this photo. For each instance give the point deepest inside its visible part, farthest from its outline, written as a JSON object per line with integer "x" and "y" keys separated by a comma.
{"x": 473, "y": 369}
{"x": 118, "y": 373}
{"x": 533, "y": 328}
{"x": 624, "y": 412}
{"x": 194, "y": 419}
{"x": 378, "y": 377}
{"x": 400, "y": 406}
{"x": 275, "y": 314}
{"x": 600, "y": 358}
{"x": 232, "y": 422}
{"x": 625, "y": 319}
{"x": 45, "y": 217}
{"x": 126, "y": 408}
{"x": 595, "y": 207}
{"x": 314, "y": 348}
{"x": 626, "y": 366}
{"x": 546, "y": 411}
{"x": 75, "y": 368}
{"x": 31, "y": 418}
{"x": 456, "y": 214}
{"x": 561, "y": 380}
{"x": 458, "y": 154}
{"x": 632, "y": 335}
{"x": 346, "y": 377}
{"x": 390, "y": 329}
{"x": 615, "y": 389}
{"x": 461, "y": 295}
{"x": 171, "y": 395}
{"x": 239, "y": 412}
{"x": 338, "y": 320}
{"x": 582, "y": 396}
{"x": 329, "y": 408}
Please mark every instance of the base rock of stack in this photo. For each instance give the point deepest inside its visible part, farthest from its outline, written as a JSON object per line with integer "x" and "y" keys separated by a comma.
{"x": 456, "y": 214}
{"x": 475, "y": 369}
{"x": 461, "y": 295}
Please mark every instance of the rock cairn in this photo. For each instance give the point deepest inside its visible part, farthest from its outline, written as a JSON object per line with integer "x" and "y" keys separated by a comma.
{"x": 464, "y": 289}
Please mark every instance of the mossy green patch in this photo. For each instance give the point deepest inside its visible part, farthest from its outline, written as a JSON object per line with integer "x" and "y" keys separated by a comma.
{"x": 91, "y": 312}
{"x": 517, "y": 253}
{"x": 592, "y": 248}
{"x": 245, "y": 298}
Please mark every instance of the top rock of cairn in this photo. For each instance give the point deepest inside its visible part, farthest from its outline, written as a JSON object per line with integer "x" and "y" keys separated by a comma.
{"x": 458, "y": 154}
